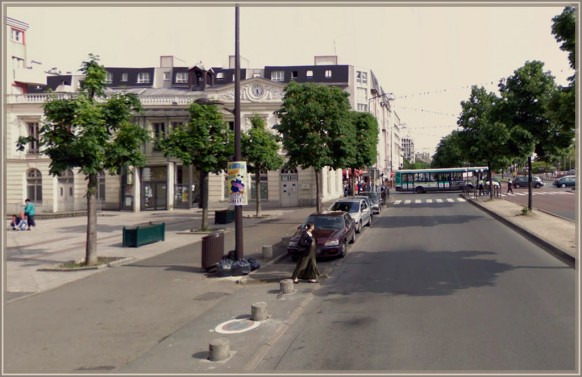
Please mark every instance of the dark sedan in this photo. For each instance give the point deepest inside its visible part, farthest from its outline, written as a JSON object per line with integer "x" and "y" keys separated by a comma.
{"x": 566, "y": 181}
{"x": 333, "y": 231}
{"x": 522, "y": 181}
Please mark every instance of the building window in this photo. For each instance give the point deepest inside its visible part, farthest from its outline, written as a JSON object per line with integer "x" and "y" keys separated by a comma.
{"x": 159, "y": 130}
{"x": 362, "y": 107}
{"x": 362, "y": 94}
{"x": 17, "y": 36}
{"x": 167, "y": 76}
{"x": 108, "y": 78}
{"x": 17, "y": 62}
{"x": 278, "y": 76}
{"x": 101, "y": 187}
{"x": 220, "y": 75}
{"x": 34, "y": 186}
{"x": 181, "y": 77}
{"x": 309, "y": 73}
{"x": 364, "y": 77}
{"x": 359, "y": 77}
{"x": 124, "y": 77}
{"x": 294, "y": 74}
{"x": 33, "y": 129}
{"x": 328, "y": 73}
{"x": 143, "y": 78}
{"x": 263, "y": 177}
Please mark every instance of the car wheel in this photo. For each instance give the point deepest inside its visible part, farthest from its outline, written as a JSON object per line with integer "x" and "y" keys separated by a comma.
{"x": 344, "y": 250}
{"x": 516, "y": 185}
{"x": 419, "y": 190}
{"x": 537, "y": 186}
{"x": 370, "y": 222}
{"x": 359, "y": 227}
{"x": 353, "y": 237}
{"x": 563, "y": 185}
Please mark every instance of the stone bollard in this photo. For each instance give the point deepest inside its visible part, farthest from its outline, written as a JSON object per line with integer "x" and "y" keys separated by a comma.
{"x": 287, "y": 286}
{"x": 259, "y": 311}
{"x": 219, "y": 349}
{"x": 267, "y": 251}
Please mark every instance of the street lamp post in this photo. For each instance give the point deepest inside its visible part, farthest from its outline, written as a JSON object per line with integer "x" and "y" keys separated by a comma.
{"x": 238, "y": 224}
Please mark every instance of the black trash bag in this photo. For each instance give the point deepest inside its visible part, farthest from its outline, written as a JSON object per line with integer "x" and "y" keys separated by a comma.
{"x": 224, "y": 268}
{"x": 255, "y": 265}
{"x": 241, "y": 267}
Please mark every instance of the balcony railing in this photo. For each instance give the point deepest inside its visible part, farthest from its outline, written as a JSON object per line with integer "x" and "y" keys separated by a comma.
{"x": 145, "y": 100}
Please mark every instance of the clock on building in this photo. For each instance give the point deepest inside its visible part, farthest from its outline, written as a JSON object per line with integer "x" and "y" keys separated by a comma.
{"x": 257, "y": 90}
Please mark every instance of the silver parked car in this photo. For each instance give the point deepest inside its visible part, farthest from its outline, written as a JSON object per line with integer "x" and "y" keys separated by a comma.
{"x": 358, "y": 209}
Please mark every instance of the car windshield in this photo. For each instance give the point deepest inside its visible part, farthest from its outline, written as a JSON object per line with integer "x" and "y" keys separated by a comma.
{"x": 345, "y": 206}
{"x": 326, "y": 222}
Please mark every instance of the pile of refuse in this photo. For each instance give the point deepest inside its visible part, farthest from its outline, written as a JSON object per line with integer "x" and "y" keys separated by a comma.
{"x": 229, "y": 265}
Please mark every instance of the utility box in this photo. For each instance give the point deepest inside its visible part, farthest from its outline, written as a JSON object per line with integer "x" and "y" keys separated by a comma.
{"x": 143, "y": 234}
{"x": 224, "y": 216}
{"x": 212, "y": 250}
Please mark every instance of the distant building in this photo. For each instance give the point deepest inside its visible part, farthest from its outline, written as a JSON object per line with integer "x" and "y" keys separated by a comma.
{"x": 408, "y": 149}
{"x": 423, "y": 157}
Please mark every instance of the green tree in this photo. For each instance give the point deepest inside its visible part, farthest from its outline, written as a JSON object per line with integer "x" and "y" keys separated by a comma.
{"x": 484, "y": 139}
{"x": 527, "y": 96}
{"x": 93, "y": 133}
{"x": 449, "y": 152}
{"x": 205, "y": 142}
{"x": 366, "y": 142}
{"x": 260, "y": 148}
{"x": 564, "y": 30}
{"x": 316, "y": 129}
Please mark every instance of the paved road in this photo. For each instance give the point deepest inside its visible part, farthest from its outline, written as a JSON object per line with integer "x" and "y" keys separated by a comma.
{"x": 437, "y": 285}
{"x": 559, "y": 201}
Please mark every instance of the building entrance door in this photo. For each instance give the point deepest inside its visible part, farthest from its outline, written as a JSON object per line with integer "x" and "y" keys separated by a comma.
{"x": 66, "y": 197}
{"x": 155, "y": 196}
{"x": 289, "y": 189}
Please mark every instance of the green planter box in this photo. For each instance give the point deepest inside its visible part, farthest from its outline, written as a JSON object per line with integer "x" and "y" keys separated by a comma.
{"x": 224, "y": 216}
{"x": 144, "y": 234}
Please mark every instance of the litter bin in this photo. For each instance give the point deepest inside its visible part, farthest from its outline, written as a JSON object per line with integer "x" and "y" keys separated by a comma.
{"x": 212, "y": 249}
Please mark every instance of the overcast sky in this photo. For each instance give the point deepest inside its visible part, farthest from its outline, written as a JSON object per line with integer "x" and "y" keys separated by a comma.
{"x": 427, "y": 56}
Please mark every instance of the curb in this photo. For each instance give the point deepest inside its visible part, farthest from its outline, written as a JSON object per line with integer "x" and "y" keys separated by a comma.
{"x": 556, "y": 251}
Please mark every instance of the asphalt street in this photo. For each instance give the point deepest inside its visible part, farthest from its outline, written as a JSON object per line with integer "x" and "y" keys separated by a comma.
{"x": 157, "y": 310}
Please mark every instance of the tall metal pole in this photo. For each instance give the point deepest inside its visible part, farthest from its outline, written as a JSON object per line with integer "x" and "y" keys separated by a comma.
{"x": 238, "y": 224}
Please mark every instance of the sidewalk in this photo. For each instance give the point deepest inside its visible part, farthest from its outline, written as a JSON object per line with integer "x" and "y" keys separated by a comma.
{"x": 115, "y": 317}
{"x": 31, "y": 254}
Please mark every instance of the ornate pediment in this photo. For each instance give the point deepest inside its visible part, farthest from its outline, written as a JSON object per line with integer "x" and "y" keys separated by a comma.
{"x": 252, "y": 90}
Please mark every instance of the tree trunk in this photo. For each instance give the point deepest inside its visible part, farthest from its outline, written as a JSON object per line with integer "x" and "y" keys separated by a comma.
{"x": 91, "y": 243}
{"x": 529, "y": 193}
{"x": 490, "y": 179}
{"x": 204, "y": 199}
{"x": 318, "y": 190}
{"x": 258, "y": 192}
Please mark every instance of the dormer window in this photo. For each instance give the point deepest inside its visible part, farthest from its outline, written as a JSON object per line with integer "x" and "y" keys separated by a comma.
{"x": 278, "y": 76}
{"x": 220, "y": 75}
{"x": 108, "y": 78}
{"x": 124, "y": 77}
{"x": 181, "y": 77}
{"x": 143, "y": 78}
{"x": 328, "y": 73}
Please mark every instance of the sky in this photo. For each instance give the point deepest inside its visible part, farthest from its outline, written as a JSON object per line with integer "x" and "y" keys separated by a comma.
{"x": 427, "y": 56}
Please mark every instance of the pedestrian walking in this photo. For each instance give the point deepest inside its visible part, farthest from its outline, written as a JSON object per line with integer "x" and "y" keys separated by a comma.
{"x": 306, "y": 268}
{"x": 30, "y": 212}
{"x": 509, "y": 186}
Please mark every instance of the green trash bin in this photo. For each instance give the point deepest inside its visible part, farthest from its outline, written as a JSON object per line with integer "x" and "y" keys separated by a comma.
{"x": 143, "y": 234}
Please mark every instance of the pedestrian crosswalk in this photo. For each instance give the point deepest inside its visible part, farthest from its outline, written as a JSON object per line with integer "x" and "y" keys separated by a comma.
{"x": 428, "y": 201}
{"x": 398, "y": 202}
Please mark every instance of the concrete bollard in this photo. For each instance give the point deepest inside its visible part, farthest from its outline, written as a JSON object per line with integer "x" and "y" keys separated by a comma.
{"x": 219, "y": 349}
{"x": 259, "y": 311}
{"x": 287, "y": 286}
{"x": 267, "y": 251}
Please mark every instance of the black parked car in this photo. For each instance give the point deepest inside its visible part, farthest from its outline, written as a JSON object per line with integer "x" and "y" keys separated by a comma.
{"x": 333, "y": 230}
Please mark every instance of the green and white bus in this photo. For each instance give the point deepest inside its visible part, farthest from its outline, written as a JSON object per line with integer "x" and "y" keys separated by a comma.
{"x": 441, "y": 179}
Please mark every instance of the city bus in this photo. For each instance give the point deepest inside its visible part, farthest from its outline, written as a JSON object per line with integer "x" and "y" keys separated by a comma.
{"x": 441, "y": 179}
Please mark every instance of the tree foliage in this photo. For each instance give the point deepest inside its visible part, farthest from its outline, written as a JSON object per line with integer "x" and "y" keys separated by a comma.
{"x": 205, "y": 142}
{"x": 92, "y": 133}
{"x": 449, "y": 152}
{"x": 260, "y": 148}
{"x": 316, "y": 128}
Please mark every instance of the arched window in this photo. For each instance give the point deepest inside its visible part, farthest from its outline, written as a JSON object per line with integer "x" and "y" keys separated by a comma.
{"x": 34, "y": 186}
